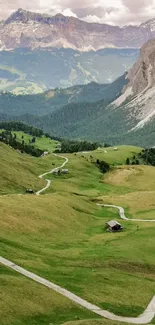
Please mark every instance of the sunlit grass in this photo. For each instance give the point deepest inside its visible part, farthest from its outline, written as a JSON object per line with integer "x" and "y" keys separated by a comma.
{"x": 61, "y": 236}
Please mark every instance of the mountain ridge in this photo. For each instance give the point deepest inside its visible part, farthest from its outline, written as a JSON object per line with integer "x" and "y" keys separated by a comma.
{"x": 44, "y": 31}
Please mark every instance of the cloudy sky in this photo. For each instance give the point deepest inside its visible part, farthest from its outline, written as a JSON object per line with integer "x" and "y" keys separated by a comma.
{"x": 116, "y": 12}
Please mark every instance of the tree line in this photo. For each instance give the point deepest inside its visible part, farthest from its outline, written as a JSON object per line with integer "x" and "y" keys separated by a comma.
{"x": 29, "y": 129}
{"x": 69, "y": 146}
{"x": 148, "y": 156}
{"x": 10, "y": 139}
{"x": 19, "y": 126}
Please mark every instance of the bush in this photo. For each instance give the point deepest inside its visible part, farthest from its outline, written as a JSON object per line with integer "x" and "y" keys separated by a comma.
{"x": 103, "y": 165}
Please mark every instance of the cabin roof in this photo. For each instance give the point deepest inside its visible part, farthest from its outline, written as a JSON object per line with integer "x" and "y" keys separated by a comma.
{"x": 113, "y": 223}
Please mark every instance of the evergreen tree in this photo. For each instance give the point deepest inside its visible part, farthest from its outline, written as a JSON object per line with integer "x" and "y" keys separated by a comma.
{"x": 127, "y": 161}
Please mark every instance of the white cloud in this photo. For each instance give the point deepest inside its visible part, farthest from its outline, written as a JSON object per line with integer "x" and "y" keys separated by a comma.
{"x": 92, "y": 18}
{"x": 120, "y": 12}
{"x": 68, "y": 12}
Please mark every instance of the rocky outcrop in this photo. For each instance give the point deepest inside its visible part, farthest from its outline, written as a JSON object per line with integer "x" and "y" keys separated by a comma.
{"x": 138, "y": 97}
{"x": 34, "y": 30}
{"x": 142, "y": 74}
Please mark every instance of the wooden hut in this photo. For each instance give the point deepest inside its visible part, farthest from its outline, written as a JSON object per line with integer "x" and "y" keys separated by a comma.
{"x": 114, "y": 226}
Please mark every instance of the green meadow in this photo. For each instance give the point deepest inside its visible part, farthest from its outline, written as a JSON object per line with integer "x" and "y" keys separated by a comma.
{"x": 42, "y": 143}
{"x": 61, "y": 236}
{"x": 113, "y": 156}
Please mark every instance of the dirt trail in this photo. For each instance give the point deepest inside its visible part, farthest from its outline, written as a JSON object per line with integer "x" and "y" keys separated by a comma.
{"x": 51, "y": 172}
{"x": 122, "y": 213}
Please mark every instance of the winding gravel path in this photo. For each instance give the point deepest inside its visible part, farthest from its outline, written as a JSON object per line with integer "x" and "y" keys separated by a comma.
{"x": 122, "y": 213}
{"x": 51, "y": 172}
{"x": 145, "y": 318}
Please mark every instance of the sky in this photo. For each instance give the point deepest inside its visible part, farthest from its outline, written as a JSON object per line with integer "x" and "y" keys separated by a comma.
{"x": 115, "y": 12}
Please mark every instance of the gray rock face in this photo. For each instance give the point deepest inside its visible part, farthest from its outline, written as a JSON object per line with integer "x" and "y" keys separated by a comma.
{"x": 138, "y": 96}
{"x": 142, "y": 74}
{"x": 33, "y": 30}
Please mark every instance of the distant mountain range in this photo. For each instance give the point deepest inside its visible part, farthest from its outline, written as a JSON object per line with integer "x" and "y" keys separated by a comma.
{"x": 23, "y": 71}
{"x": 119, "y": 113}
{"x": 39, "y": 52}
{"x": 24, "y": 29}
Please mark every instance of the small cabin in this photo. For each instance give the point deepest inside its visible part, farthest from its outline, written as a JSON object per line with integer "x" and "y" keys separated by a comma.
{"x": 64, "y": 171}
{"x": 56, "y": 172}
{"x": 114, "y": 226}
{"x": 45, "y": 153}
{"x": 29, "y": 191}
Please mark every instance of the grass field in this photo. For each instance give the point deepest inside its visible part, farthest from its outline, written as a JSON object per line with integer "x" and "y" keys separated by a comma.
{"x": 139, "y": 190}
{"x": 37, "y": 304}
{"x": 95, "y": 322}
{"x": 113, "y": 157}
{"x": 61, "y": 236}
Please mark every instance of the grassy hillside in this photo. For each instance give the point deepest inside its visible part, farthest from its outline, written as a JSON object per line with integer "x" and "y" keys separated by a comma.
{"x": 63, "y": 239}
{"x": 20, "y": 171}
{"x": 71, "y": 248}
{"x": 39, "y": 305}
{"x": 138, "y": 196}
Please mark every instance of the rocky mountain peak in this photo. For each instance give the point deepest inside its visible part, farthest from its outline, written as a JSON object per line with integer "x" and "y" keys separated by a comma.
{"x": 19, "y": 15}
{"x": 25, "y": 16}
{"x": 45, "y": 31}
{"x": 142, "y": 74}
{"x": 138, "y": 96}
{"x": 150, "y": 24}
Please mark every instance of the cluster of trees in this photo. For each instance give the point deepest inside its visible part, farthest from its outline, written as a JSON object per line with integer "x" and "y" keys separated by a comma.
{"x": 133, "y": 161}
{"x": 8, "y": 138}
{"x": 103, "y": 165}
{"x": 148, "y": 156}
{"x": 18, "y": 126}
{"x": 68, "y": 146}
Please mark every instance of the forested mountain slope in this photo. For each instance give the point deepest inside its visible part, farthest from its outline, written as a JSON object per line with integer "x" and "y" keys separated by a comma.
{"x": 52, "y": 100}
{"x": 117, "y": 113}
